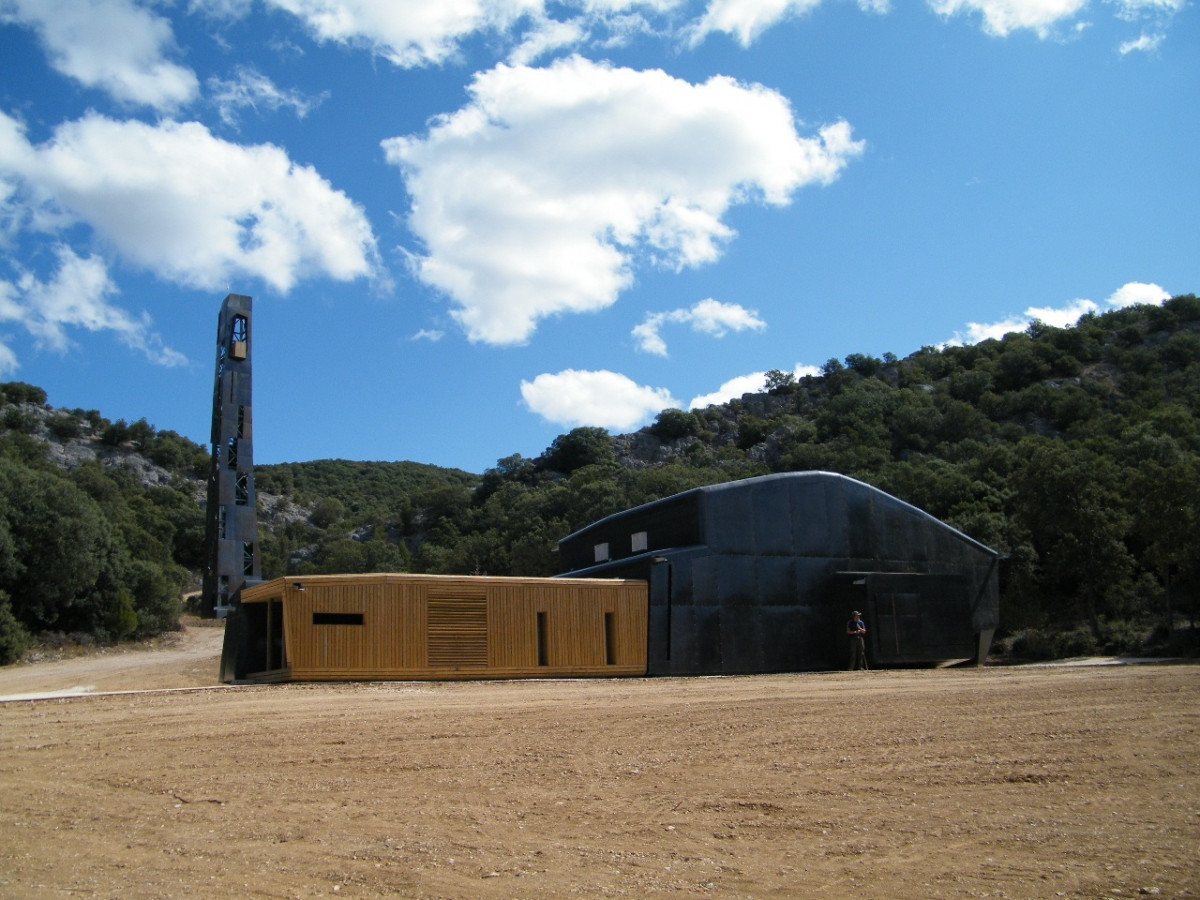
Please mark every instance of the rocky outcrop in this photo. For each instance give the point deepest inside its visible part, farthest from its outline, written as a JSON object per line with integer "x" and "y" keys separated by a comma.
{"x": 73, "y": 452}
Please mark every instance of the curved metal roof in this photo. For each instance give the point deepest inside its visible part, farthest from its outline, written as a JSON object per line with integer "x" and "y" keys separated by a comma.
{"x": 845, "y": 481}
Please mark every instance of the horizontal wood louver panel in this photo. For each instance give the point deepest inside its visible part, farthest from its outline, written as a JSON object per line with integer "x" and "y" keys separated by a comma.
{"x": 458, "y": 634}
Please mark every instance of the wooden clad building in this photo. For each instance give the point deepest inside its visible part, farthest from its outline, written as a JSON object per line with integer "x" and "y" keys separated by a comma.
{"x": 399, "y": 626}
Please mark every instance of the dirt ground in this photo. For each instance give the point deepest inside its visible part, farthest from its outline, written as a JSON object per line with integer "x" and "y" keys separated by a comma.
{"x": 1079, "y": 782}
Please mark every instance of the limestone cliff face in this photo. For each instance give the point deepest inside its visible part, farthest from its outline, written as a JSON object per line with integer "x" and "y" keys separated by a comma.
{"x": 53, "y": 428}
{"x": 72, "y": 440}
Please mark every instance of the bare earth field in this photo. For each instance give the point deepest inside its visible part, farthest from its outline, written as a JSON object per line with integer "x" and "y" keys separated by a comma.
{"x": 1003, "y": 782}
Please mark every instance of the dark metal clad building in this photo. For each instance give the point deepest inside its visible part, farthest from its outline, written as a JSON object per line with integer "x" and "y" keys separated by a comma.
{"x": 761, "y": 575}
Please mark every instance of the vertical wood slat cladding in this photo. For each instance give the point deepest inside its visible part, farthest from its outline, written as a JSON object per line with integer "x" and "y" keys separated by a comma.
{"x": 439, "y": 627}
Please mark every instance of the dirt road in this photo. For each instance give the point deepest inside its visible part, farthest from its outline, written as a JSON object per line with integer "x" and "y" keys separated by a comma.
{"x": 1017, "y": 783}
{"x": 189, "y": 658}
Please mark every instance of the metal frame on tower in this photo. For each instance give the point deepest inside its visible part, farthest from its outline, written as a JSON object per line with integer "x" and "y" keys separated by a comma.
{"x": 232, "y": 514}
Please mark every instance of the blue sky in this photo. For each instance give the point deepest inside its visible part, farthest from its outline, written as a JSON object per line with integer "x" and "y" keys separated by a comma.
{"x": 472, "y": 225}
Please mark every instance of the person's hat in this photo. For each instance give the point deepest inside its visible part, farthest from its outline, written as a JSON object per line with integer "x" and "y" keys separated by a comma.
{"x": 856, "y": 613}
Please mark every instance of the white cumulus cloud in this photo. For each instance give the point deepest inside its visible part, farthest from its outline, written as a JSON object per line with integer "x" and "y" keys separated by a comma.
{"x": 754, "y": 383}
{"x": 549, "y": 35}
{"x": 188, "y": 206}
{"x": 77, "y": 296}
{"x": 8, "y": 360}
{"x": 408, "y": 33}
{"x": 1136, "y": 292}
{"x": 412, "y": 33}
{"x": 600, "y": 399}
{"x": 540, "y": 195}
{"x": 708, "y": 317}
{"x": 745, "y": 20}
{"x": 625, "y": 6}
{"x": 1001, "y": 17}
{"x": 731, "y": 390}
{"x": 116, "y": 46}
{"x": 10, "y": 310}
{"x": 1061, "y": 316}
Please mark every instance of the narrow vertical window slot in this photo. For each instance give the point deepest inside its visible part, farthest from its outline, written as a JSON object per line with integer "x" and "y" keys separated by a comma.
{"x": 610, "y": 639}
{"x": 542, "y": 656}
{"x": 270, "y": 634}
{"x": 276, "y": 632}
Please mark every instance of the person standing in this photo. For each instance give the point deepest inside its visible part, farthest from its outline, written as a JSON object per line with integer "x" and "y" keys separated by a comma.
{"x": 856, "y": 629}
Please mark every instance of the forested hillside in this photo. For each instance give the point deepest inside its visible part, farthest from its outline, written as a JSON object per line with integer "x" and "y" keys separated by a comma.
{"x": 102, "y": 522}
{"x": 101, "y": 526}
{"x": 357, "y": 516}
{"x": 1076, "y": 451}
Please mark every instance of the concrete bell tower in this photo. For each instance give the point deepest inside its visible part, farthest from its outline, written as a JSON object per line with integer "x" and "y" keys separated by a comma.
{"x": 231, "y": 534}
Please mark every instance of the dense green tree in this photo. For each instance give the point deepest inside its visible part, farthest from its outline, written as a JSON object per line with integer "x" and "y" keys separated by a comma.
{"x": 1166, "y": 508}
{"x": 673, "y": 424}
{"x": 65, "y": 426}
{"x": 20, "y": 392}
{"x": 371, "y": 553}
{"x": 864, "y": 364}
{"x": 115, "y": 433}
{"x": 23, "y": 448}
{"x": 326, "y": 512}
{"x": 1069, "y": 499}
{"x": 65, "y": 573}
{"x": 141, "y": 434}
{"x": 344, "y": 555}
{"x": 753, "y": 430}
{"x": 512, "y": 469}
{"x": 154, "y": 596}
{"x": 19, "y": 420}
{"x": 14, "y": 638}
{"x": 578, "y": 448}
{"x": 779, "y": 382}
{"x": 368, "y": 491}
{"x": 176, "y": 453}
